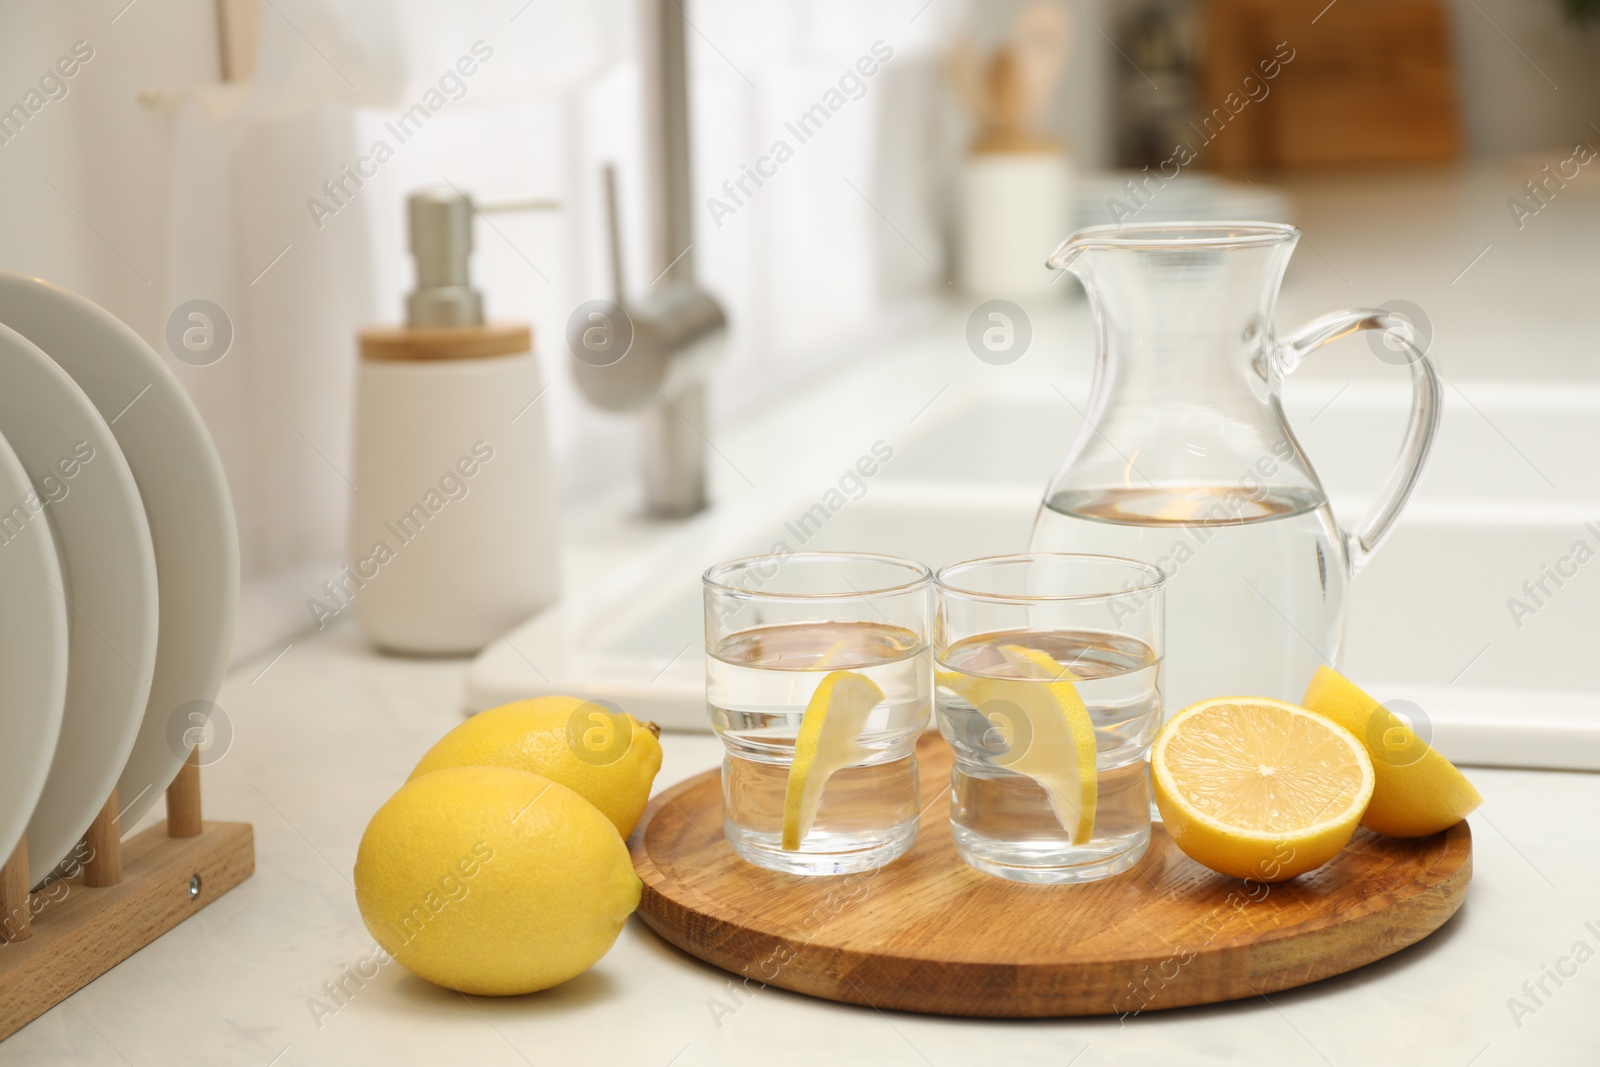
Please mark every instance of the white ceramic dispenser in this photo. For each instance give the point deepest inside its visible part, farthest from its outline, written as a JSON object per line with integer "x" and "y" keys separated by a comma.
{"x": 453, "y": 528}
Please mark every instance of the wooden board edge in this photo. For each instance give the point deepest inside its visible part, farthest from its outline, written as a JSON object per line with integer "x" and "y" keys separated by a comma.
{"x": 83, "y": 932}
{"x": 1017, "y": 994}
{"x": 643, "y": 865}
{"x": 1284, "y": 962}
{"x": 1444, "y": 886}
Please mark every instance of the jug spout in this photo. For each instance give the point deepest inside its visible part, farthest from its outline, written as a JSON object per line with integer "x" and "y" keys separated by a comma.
{"x": 1066, "y": 253}
{"x": 1198, "y": 238}
{"x": 1188, "y": 307}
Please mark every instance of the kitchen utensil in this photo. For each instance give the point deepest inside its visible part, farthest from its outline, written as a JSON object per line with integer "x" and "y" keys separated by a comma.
{"x": 1186, "y": 461}
{"x": 108, "y": 572}
{"x": 930, "y": 934}
{"x": 1041, "y": 40}
{"x": 1010, "y": 93}
{"x": 1017, "y": 181}
{"x": 33, "y": 651}
{"x": 186, "y": 504}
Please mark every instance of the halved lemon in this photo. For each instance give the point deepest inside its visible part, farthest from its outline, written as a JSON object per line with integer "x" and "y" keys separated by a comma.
{"x": 829, "y": 740}
{"x": 1258, "y": 788}
{"x": 1418, "y": 792}
{"x": 1049, "y": 736}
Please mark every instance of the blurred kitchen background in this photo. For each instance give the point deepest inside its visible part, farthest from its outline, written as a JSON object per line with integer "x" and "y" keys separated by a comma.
{"x": 212, "y": 149}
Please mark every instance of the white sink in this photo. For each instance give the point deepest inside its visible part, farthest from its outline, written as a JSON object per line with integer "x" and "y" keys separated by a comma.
{"x": 1429, "y": 620}
{"x": 1500, "y": 443}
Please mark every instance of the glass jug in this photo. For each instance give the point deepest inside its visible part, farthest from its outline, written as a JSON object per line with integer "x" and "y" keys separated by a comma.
{"x": 1186, "y": 461}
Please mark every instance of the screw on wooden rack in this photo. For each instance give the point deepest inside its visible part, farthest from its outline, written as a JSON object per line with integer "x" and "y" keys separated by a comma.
{"x": 183, "y": 799}
{"x": 16, "y": 914}
{"x": 103, "y": 867}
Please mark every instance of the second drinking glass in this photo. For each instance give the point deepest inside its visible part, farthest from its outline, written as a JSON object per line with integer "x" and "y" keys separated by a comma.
{"x": 1048, "y": 671}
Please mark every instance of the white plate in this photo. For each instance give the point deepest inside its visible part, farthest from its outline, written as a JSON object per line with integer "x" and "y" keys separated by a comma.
{"x": 33, "y": 651}
{"x": 186, "y": 502}
{"x": 108, "y": 571}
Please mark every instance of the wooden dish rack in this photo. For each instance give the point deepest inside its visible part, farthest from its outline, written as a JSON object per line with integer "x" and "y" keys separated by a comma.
{"x": 113, "y": 898}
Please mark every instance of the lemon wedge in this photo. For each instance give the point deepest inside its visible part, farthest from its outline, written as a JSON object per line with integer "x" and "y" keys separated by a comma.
{"x": 1418, "y": 792}
{"x": 1258, "y": 788}
{"x": 829, "y": 741}
{"x": 1049, "y": 736}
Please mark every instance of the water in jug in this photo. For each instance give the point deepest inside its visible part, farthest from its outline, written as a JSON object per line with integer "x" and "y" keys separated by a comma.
{"x": 1186, "y": 460}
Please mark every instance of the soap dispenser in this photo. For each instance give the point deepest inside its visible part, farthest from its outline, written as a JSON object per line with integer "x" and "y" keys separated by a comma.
{"x": 453, "y": 524}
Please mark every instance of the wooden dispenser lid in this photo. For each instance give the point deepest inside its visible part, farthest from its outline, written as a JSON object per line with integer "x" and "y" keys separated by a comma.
{"x": 446, "y": 342}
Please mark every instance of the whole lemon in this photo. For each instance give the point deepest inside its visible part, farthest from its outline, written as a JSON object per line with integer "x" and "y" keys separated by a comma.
{"x": 493, "y": 881}
{"x": 607, "y": 757}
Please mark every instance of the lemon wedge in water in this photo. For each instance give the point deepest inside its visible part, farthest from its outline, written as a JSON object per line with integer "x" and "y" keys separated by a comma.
{"x": 829, "y": 740}
{"x": 1048, "y": 733}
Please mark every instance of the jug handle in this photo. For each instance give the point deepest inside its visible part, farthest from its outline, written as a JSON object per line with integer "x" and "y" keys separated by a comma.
{"x": 1365, "y": 539}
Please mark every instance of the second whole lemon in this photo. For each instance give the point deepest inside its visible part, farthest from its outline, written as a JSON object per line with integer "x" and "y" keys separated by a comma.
{"x": 604, "y": 755}
{"x": 493, "y": 881}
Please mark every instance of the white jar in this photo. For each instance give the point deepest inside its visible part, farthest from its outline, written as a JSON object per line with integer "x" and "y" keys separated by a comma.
{"x": 1015, "y": 208}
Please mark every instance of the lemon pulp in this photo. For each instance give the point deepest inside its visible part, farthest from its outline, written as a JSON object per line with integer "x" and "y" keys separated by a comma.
{"x": 1259, "y": 788}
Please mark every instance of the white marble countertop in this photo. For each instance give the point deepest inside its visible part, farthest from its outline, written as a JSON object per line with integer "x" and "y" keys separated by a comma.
{"x": 326, "y": 730}
{"x": 326, "y": 733}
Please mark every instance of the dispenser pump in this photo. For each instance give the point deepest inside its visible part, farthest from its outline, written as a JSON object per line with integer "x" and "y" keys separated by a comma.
{"x": 440, "y": 220}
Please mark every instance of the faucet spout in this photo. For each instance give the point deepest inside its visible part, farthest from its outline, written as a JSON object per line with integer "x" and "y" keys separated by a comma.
{"x": 676, "y": 327}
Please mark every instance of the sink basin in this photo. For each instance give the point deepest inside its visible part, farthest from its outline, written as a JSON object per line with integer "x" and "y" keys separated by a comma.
{"x": 1505, "y": 443}
{"x": 1429, "y": 619}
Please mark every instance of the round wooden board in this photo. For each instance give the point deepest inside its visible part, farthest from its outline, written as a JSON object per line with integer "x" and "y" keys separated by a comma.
{"x": 930, "y": 934}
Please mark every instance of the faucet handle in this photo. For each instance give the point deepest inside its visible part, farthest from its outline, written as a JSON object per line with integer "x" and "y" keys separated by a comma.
{"x": 613, "y": 231}
{"x": 508, "y": 207}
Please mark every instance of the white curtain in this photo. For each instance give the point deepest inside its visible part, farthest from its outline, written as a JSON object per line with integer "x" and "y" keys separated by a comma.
{"x": 267, "y": 218}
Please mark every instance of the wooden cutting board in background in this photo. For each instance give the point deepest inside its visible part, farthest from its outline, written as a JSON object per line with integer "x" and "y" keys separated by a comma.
{"x": 1370, "y": 82}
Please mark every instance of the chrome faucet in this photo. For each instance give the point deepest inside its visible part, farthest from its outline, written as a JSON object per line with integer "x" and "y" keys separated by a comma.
{"x": 676, "y": 326}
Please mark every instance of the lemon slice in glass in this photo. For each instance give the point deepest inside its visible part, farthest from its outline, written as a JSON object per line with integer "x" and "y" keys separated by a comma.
{"x": 829, "y": 741}
{"x": 1049, "y": 736}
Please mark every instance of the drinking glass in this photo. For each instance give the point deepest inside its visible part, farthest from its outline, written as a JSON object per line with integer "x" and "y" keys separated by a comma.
{"x": 777, "y": 627}
{"x": 1048, "y": 674}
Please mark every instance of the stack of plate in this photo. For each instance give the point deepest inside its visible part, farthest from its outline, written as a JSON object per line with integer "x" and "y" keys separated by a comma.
{"x": 119, "y": 570}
